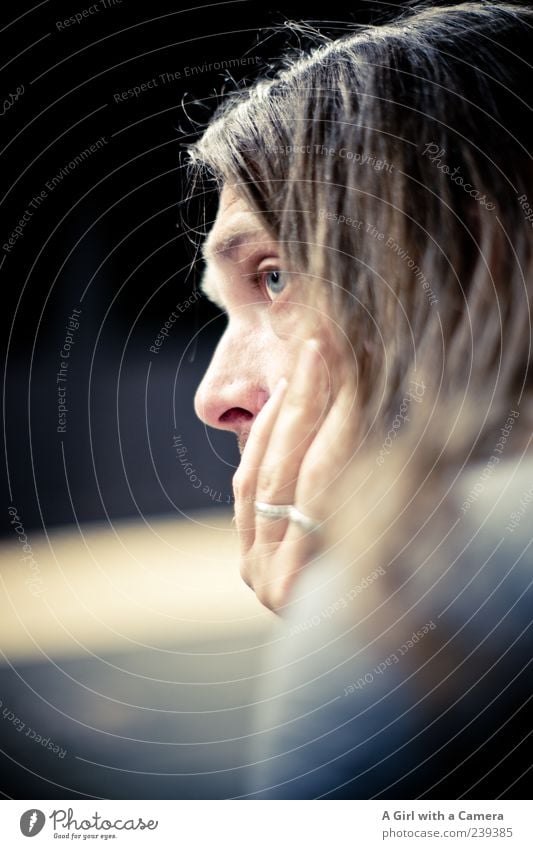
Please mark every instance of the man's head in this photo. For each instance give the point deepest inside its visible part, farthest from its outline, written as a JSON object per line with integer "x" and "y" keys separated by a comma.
{"x": 367, "y": 195}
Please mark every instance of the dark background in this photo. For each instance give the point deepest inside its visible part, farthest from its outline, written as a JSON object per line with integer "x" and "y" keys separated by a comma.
{"x": 111, "y": 239}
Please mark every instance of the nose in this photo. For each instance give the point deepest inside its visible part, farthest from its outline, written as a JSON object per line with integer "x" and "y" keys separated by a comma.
{"x": 232, "y": 391}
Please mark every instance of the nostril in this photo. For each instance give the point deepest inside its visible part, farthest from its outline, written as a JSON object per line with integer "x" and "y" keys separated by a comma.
{"x": 235, "y": 414}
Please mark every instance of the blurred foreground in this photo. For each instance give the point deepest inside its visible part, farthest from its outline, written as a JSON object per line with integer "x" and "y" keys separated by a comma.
{"x": 129, "y": 655}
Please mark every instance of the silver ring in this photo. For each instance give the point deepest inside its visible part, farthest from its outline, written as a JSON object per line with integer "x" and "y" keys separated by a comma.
{"x": 303, "y": 521}
{"x": 273, "y": 511}
{"x": 286, "y": 511}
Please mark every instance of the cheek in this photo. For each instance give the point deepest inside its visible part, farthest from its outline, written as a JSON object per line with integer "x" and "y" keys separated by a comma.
{"x": 294, "y": 319}
{"x": 304, "y": 314}
{"x": 304, "y": 311}
{"x": 282, "y": 352}
{"x": 278, "y": 353}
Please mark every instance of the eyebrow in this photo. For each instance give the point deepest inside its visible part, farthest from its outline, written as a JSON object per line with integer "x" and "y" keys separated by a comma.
{"x": 228, "y": 242}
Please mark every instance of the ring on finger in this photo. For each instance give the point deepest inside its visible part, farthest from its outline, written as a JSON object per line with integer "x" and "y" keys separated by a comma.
{"x": 273, "y": 511}
{"x": 303, "y": 521}
{"x": 286, "y": 511}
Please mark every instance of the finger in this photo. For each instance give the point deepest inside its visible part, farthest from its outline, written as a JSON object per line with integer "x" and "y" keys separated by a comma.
{"x": 294, "y": 429}
{"x": 289, "y": 437}
{"x": 273, "y": 585}
{"x": 317, "y": 490}
{"x": 245, "y": 479}
{"x": 330, "y": 453}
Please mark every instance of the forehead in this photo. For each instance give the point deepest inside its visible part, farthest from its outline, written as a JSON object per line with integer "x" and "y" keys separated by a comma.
{"x": 234, "y": 225}
{"x": 236, "y": 235}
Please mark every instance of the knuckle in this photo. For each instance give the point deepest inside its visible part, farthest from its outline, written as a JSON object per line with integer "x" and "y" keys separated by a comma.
{"x": 279, "y": 595}
{"x": 264, "y": 595}
{"x": 268, "y": 482}
{"x": 241, "y": 485}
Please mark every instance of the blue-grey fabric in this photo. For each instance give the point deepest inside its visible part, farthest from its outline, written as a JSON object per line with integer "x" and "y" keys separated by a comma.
{"x": 418, "y": 685}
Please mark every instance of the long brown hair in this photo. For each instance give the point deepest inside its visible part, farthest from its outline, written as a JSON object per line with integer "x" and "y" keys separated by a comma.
{"x": 393, "y": 166}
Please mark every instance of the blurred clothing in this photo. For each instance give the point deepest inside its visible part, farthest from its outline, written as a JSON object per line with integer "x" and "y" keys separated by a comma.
{"x": 417, "y": 682}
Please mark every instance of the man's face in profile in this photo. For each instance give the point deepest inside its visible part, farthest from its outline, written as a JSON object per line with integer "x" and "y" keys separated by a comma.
{"x": 268, "y": 318}
{"x": 295, "y": 434}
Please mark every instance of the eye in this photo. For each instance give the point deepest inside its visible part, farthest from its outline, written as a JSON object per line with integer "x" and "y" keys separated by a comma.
{"x": 273, "y": 281}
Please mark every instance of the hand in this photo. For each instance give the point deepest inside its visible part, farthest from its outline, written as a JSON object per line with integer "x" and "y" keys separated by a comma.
{"x": 300, "y": 443}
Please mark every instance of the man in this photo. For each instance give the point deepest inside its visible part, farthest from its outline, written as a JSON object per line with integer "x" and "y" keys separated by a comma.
{"x": 373, "y": 257}
{"x": 289, "y": 440}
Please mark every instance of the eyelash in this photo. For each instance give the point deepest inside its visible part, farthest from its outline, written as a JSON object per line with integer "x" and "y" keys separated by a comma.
{"x": 257, "y": 280}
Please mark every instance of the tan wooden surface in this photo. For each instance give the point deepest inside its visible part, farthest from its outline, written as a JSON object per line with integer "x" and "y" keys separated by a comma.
{"x": 158, "y": 582}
